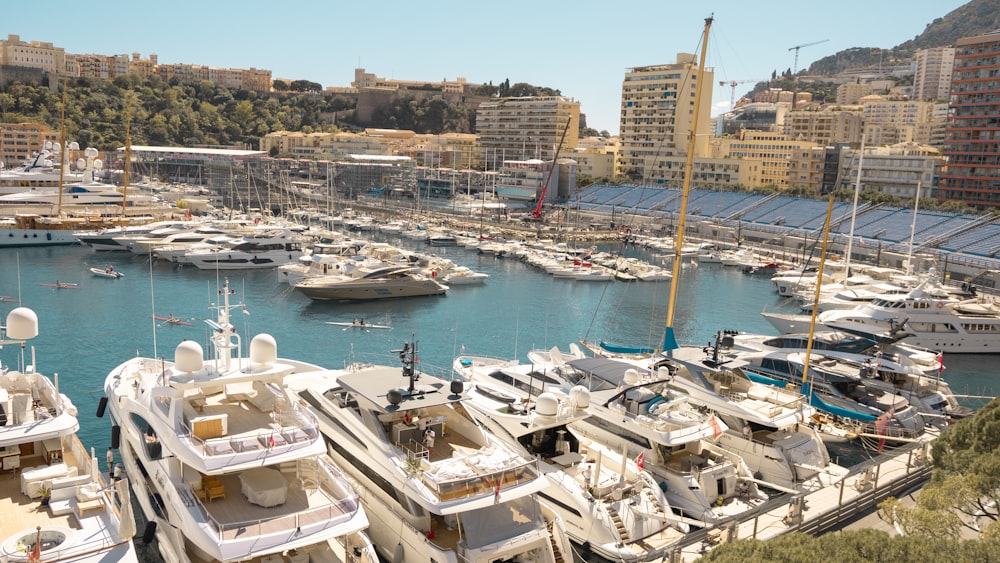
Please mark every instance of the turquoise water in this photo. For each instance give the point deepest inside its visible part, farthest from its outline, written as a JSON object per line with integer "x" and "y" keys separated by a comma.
{"x": 86, "y": 332}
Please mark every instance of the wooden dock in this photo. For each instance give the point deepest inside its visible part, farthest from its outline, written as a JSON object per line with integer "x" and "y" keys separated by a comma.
{"x": 892, "y": 474}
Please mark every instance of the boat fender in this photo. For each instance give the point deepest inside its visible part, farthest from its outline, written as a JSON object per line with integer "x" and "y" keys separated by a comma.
{"x": 116, "y": 436}
{"x": 150, "y": 532}
{"x": 940, "y": 305}
{"x": 101, "y": 406}
{"x": 397, "y": 554}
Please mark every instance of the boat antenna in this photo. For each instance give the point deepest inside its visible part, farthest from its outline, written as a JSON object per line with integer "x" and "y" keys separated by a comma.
{"x": 669, "y": 339}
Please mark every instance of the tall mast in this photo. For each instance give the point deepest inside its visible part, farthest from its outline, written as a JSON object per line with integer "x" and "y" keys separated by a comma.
{"x": 669, "y": 339}
{"x": 62, "y": 142}
{"x": 128, "y": 154}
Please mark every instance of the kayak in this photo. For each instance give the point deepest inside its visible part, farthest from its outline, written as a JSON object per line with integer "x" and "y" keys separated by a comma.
{"x": 61, "y": 285}
{"x": 172, "y": 321}
{"x": 358, "y": 325}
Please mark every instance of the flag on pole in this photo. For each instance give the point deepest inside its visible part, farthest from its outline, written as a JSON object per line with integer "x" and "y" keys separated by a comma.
{"x": 881, "y": 426}
{"x": 716, "y": 429}
{"x": 496, "y": 495}
{"x": 640, "y": 461}
{"x": 940, "y": 362}
{"x": 272, "y": 440}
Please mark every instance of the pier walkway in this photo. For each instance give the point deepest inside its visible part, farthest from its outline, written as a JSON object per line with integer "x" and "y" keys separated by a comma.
{"x": 892, "y": 474}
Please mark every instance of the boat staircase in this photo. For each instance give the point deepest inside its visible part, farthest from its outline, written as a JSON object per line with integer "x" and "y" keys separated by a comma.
{"x": 556, "y": 552}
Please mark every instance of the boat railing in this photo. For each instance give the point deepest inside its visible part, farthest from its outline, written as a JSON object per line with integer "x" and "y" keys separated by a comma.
{"x": 343, "y": 503}
{"x": 483, "y": 481}
{"x": 265, "y": 439}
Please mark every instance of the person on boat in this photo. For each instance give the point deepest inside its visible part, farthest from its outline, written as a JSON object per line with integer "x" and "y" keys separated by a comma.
{"x": 429, "y": 436}
{"x": 171, "y": 318}
{"x": 111, "y": 269}
{"x": 355, "y": 322}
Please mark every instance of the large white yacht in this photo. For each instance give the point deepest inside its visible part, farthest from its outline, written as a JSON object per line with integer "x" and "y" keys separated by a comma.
{"x": 226, "y": 465}
{"x": 936, "y": 317}
{"x": 263, "y": 249}
{"x": 611, "y": 506}
{"x": 437, "y": 485}
{"x": 86, "y": 518}
{"x": 41, "y": 170}
{"x": 388, "y": 282}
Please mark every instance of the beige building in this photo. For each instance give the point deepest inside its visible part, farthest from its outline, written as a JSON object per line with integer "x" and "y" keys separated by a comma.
{"x": 18, "y": 141}
{"x": 596, "y": 157}
{"x": 657, "y": 114}
{"x": 932, "y": 77}
{"x": 324, "y": 146}
{"x": 895, "y": 170}
{"x": 824, "y": 126}
{"x": 777, "y": 161}
{"x": 893, "y": 121}
{"x": 528, "y": 127}
{"x": 848, "y": 94}
{"x": 36, "y": 54}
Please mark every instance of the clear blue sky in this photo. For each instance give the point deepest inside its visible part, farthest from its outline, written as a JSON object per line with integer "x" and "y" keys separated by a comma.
{"x": 580, "y": 48}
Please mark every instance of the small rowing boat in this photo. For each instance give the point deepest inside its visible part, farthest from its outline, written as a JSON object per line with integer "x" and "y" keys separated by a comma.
{"x": 9, "y": 300}
{"x": 172, "y": 320}
{"x": 109, "y": 272}
{"x": 61, "y": 285}
{"x": 358, "y": 325}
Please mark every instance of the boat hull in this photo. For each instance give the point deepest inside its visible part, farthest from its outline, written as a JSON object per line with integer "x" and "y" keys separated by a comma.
{"x": 36, "y": 237}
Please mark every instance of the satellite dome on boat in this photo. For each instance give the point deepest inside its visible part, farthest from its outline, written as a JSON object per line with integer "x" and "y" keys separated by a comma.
{"x": 631, "y": 377}
{"x": 547, "y": 404}
{"x": 263, "y": 349}
{"x": 22, "y": 324}
{"x": 188, "y": 356}
{"x": 580, "y": 396}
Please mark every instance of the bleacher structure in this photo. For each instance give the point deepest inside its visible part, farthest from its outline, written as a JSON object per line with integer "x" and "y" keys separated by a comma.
{"x": 955, "y": 233}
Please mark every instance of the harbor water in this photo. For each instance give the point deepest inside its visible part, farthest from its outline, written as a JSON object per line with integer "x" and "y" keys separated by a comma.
{"x": 84, "y": 332}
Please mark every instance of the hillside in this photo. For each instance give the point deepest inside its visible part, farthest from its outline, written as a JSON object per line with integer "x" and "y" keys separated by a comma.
{"x": 975, "y": 18}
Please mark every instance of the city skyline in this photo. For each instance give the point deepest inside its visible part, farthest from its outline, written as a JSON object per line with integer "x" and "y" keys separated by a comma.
{"x": 325, "y": 42}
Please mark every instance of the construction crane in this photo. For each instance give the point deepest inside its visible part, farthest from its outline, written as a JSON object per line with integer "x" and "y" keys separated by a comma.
{"x": 537, "y": 213}
{"x": 795, "y": 67}
{"x": 733, "y": 84}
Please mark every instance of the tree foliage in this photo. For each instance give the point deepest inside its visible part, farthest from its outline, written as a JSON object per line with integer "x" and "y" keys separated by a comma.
{"x": 169, "y": 114}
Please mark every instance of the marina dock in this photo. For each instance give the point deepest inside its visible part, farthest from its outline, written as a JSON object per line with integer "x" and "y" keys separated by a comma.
{"x": 892, "y": 474}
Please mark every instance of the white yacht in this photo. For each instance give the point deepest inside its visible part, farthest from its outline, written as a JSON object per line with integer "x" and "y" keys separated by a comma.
{"x": 226, "y": 465}
{"x": 253, "y": 251}
{"x": 41, "y": 170}
{"x": 611, "y": 505}
{"x": 388, "y": 282}
{"x": 437, "y": 485}
{"x": 937, "y": 318}
{"x": 87, "y": 519}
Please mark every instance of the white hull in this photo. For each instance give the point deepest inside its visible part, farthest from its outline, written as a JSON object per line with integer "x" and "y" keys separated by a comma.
{"x": 36, "y": 237}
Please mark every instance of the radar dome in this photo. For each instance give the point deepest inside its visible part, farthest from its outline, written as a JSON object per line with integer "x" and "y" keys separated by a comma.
{"x": 580, "y": 396}
{"x": 263, "y": 349}
{"x": 188, "y": 356}
{"x": 663, "y": 372}
{"x": 74, "y": 146}
{"x": 547, "y": 404}
{"x": 22, "y": 324}
{"x": 631, "y": 377}
{"x": 80, "y": 164}
{"x": 98, "y": 164}
{"x": 90, "y": 152}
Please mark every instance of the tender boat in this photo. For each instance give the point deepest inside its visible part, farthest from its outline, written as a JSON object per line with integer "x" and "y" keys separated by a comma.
{"x": 227, "y": 466}
{"x": 107, "y": 272}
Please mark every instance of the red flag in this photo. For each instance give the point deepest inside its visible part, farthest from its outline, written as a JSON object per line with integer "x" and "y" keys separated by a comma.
{"x": 716, "y": 429}
{"x": 640, "y": 461}
{"x": 496, "y": 495}
{"x": 272, "y": 440}
{"x": 940, "y": 361}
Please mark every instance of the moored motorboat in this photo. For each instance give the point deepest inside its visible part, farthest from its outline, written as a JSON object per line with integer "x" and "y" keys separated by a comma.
{"x": 383, "y": 283}
{"x": 107, "y": 272}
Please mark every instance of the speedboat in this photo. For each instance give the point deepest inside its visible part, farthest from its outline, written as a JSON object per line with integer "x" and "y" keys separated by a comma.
{"x": 592, "y": 487}
{"x": 382, "y": 283}
{"x": 64, "y": 509}
{"x": 261, "y": 250}
{"x": 107, "y": 272}
{"x": 436, "y": 483}
{"x": 227, "y": 466}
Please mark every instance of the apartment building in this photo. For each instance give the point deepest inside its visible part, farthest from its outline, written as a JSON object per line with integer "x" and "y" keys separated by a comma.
{"x": 34, "y": 54}
{"x": 18, "y": 141}
{"x": 595, "y": 157}
{"x": 778, "y": 161}
{"x": 528, "y": 128}
{"x": 972, "y": 139}
{"x": 932, "y": 77}
{"x": 897, "y": 170}
{"x": 827, "y": 126}
{"x": 892, "y": 121}
{"x": 657, "y": 115}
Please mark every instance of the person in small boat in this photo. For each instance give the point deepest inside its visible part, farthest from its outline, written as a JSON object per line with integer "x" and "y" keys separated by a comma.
{"x": 111, "y": 269}
{"x": 355, "y": 322}
{"x": 171, "y": 318}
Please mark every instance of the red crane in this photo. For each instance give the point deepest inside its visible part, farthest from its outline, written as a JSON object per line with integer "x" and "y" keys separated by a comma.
{"x": 537, "y": 213}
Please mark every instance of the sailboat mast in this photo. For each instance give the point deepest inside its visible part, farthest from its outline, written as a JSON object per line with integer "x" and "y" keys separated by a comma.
{"x": 819, "y": 284}
{"x": 913, "y": 231}
{"x": 62, "y": 143}
{"x": 669, "y": 339}
{"x": 854, "y": 212}
{"x": 128, "y": 156}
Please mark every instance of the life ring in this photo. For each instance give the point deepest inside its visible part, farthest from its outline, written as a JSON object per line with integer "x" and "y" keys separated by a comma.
{"x": 940, "y": 305}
